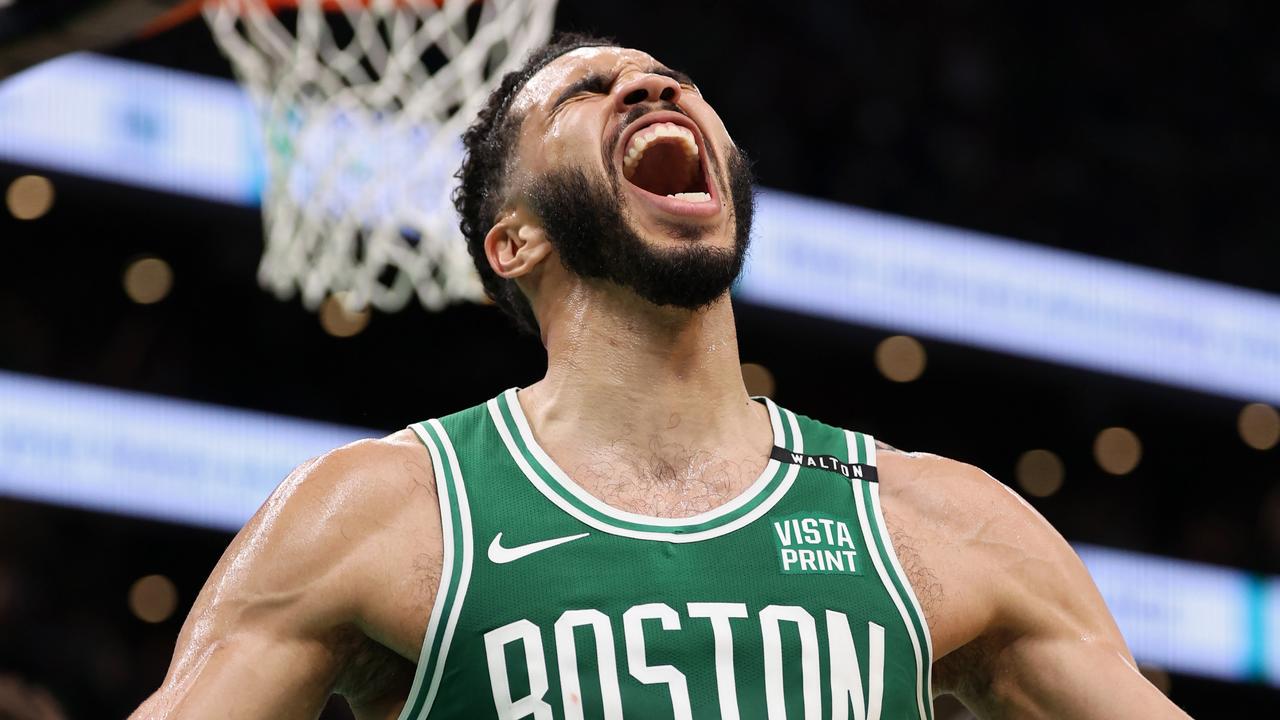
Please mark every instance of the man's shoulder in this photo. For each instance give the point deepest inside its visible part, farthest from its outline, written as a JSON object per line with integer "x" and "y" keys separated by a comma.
{"x": 946, "y": 493}
{"x": 368, "y": 453}
{"x": 369, "y": 472}
{"x": 351, "y": 490}
{"x": 328, "y": 523}
{"x": 960, "y": 515}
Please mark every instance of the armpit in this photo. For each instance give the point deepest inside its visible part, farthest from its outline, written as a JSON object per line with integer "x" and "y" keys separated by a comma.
{"x": 965, "y": 672}
{"x": 923, "y": 581}
{"x": 373, "y": 673}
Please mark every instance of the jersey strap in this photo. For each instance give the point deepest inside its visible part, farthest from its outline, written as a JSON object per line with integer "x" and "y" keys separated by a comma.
{"x": 862, "y": 450}
{"x": 459, "y": 552}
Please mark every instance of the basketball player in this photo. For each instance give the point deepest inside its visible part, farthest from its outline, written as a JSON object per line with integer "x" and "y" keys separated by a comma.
{"x": 633, "y": 536}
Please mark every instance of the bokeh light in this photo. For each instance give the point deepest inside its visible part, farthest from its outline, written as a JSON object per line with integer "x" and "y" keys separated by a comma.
{"x": 148, "y": 280}
{"x": 1117, "y": 450}
{"x": 1259, "y": 426}
{"x": 1039, "y": 472}
{"x": 900, "y": 358}
{"x": 338, "y": 320}
{"x": 29, "y": 197}
{"x": 153, "y": 598}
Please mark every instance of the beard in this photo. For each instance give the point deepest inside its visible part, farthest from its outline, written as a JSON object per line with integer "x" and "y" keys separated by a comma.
{"x": 585, "y": 224}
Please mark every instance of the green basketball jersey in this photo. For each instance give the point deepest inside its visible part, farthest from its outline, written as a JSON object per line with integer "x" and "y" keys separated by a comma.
{"x": 786, "y": 602}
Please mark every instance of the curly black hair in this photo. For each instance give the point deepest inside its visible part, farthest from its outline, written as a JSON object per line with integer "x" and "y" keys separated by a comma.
{"x": 488, "y": 143}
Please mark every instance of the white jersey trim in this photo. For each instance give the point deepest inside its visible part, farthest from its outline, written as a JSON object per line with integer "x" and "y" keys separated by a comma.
{"x": 771, "y": 469}
{"x": 446, "y": 568}
{"x": 906, "y": 584}
{"x": 464, "y": 554}
{"x": 879, "y": 563}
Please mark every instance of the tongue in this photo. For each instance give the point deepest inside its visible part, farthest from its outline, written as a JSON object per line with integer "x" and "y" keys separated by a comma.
{"x": 665, "y": 169}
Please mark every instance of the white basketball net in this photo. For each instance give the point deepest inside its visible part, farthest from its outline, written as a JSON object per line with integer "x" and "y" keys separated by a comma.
{"x": 363, "y": 104}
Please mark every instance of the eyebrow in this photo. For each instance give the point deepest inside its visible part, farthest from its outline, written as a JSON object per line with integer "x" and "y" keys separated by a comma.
{"x": 599, "y": 82}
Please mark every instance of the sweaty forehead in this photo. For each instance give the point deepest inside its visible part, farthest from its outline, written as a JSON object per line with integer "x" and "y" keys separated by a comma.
{"x": 573, "y": 65}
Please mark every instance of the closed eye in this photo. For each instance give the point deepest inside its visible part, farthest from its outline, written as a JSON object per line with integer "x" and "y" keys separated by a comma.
{"x": 595, "y": 84}
{"x": 601, "y": 84}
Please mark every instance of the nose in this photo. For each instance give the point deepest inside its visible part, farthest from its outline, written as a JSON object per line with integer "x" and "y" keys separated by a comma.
{"x": 645, "y": 87}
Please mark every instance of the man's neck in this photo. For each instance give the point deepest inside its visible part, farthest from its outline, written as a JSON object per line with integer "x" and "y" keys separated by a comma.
{"x": 626, "y": 377}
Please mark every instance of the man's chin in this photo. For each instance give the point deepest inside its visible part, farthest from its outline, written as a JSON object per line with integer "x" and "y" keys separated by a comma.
{"x": 690, "y": 277}
{"x": 686, "y": 232}
{"x": 680, "y": 302}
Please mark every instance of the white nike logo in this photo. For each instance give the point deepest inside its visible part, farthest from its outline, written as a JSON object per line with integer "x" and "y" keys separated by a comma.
{"x": 500, "y": 555}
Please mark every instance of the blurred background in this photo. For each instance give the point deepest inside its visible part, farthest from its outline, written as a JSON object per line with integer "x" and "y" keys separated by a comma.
{"x": 1041, "y": 239}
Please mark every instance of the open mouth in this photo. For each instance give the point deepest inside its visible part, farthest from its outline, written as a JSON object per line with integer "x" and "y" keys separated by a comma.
{"x": 664, "y": 159}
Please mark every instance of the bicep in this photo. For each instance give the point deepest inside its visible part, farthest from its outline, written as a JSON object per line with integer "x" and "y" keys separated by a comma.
{"x": 266, "y": 636}
{"x": 1064, "y": 677}
{"x": 1052, "y": 649}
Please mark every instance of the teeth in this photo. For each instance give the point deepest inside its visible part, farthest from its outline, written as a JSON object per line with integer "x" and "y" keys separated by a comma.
{"x": 644, "y": 138}
{"x": 692, "y": 197}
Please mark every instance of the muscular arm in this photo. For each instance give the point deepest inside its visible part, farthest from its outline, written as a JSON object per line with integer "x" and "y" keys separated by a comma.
{"x": 1019, "y": 627}
{"x": 294, "y": 609}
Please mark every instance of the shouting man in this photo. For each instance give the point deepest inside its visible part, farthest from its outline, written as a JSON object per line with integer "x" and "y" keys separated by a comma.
{"x": 633, "y": 535}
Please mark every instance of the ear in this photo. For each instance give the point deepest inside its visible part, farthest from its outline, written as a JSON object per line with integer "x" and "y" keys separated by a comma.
{"x": 516, "y": 243}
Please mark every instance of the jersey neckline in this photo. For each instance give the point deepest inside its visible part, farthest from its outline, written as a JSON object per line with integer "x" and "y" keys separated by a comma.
{"x": 553, "y": 482}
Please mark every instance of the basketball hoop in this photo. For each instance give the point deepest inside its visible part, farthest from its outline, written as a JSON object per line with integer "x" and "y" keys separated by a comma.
{"x": 362, "y": 105}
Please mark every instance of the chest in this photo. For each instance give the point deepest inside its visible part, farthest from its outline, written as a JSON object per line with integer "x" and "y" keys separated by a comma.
{"x": 663, "y": 475}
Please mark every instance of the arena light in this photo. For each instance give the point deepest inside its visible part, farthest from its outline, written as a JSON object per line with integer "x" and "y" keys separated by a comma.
{"x": 1259, "y": 426}
{"x": 910, "y": 276}
{"x": 147, "y": 280}
{"x": 1117, "y": 450}
{"x": 153, "y": 598}
{"x": 900, "y": 358}
{"x": 29, "y": 197}
{"x": 184, "y": 133}
{"x": 133, "y": 123}
{"x": 1039, "y": 472}
{"x": 340, "y": 321}
{"x": 1266, "y": 646}
{"x": 135, "y": 454}
{"x": 1191, "y": 617}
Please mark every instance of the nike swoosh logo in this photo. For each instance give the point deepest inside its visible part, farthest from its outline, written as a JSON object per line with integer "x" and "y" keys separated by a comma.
{"x": 500, "y": 555}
